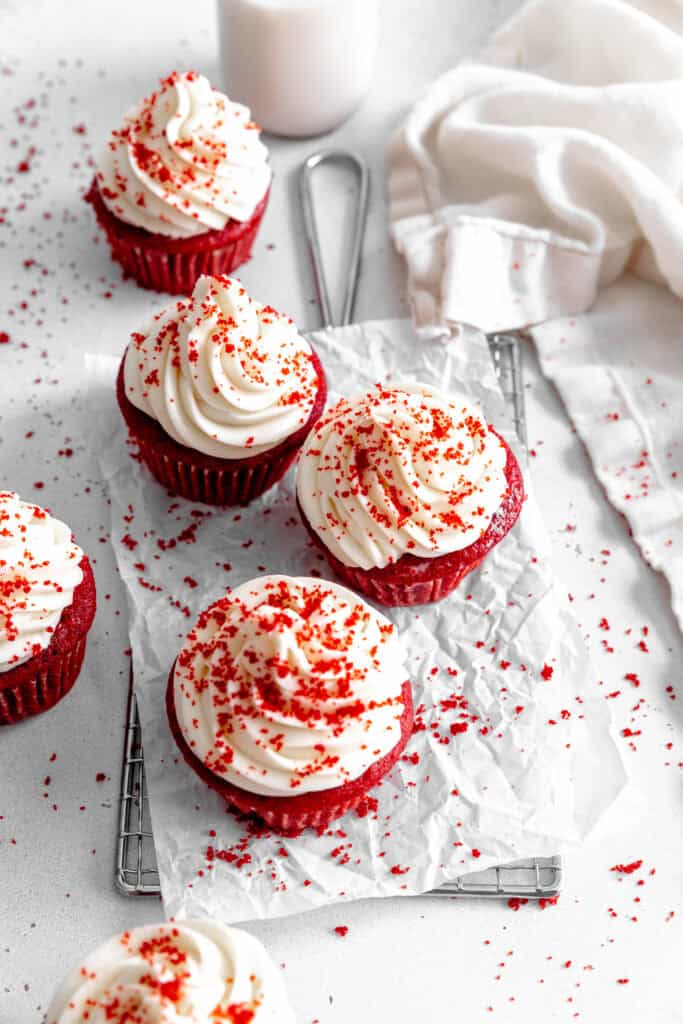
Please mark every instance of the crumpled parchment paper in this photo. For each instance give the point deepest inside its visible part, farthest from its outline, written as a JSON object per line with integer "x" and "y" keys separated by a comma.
{"x": 512, "y": 756}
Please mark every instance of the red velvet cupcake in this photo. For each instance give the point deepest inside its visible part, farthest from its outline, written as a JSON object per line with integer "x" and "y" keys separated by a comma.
{"x": 219, "y": 393}
{"x": 289, "y": 698}
{"x": 406, "y": 490}
{"x": 182, "y": 186}
{"x": 47, "y": 605}
{"x": 177, "y": 972}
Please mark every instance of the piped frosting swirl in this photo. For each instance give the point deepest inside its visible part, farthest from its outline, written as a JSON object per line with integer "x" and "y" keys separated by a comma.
{"x": 186, "y": 160}
{"x": 290, "y": 685}
{"x": 221, "y": 373}
{"x": 39, "y": 571}
{"x": 192, "y": 972}
{"x": 400, "y": 470}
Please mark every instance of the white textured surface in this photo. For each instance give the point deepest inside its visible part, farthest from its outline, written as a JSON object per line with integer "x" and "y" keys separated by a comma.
{"x": 84, "y": 64}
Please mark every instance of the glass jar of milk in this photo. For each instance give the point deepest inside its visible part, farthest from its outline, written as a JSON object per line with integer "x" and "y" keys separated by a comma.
{"x": 302, "y": 66}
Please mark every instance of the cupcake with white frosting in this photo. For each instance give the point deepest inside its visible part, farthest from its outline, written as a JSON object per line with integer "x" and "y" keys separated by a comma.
{"x": 290, "y": 699}
{"x": 181, "y": 187}
{"x": 219, "y": 392}
{"x": 406, "y": 490}
{"x": 190, "y": 972}
{"x": 47, "y": 605}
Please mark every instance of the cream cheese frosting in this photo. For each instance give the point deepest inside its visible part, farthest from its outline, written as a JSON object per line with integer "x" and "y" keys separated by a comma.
{"x": 290, "y": 685}
{"x": 186, "y": 160}
{"x": 39, "y": 571}
{"x": 192, "y": 972}
{"x": 221, "y": 373}
{"x": 400, "y": 470}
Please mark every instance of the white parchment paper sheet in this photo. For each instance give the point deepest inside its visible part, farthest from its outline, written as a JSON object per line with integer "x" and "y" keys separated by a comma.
{"x": 531, "y": 764}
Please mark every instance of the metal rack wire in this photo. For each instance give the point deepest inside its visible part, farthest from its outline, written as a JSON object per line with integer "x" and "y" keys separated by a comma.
{"x": 136, "y": 872}
{"x": 136, "y": 864}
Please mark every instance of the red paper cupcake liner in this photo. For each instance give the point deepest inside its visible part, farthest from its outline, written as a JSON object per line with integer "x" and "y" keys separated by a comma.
{"x": 290, "y": 815}
{"x": 38, "y": 684}
{"x": 205, "y": 478}
{"x": 413, "y": 580}
{"x": 174, "y": 264}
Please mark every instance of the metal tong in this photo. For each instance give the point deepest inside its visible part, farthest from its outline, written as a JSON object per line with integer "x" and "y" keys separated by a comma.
{"x": 313, "y": 239}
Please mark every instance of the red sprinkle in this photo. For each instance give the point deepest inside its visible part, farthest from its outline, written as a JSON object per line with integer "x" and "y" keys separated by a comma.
{"x": 627, "y": 869}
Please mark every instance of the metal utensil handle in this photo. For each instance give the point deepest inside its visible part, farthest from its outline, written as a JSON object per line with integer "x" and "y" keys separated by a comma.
{"x": 313, "y": 239}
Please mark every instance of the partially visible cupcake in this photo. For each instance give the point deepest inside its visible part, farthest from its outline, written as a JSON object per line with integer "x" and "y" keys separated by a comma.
{"x": 406, "y": 490}
{"x": 219, "y": 392}
{"x": 190, "y": 972}
{"x": 181, "y": 187}
{"x": 47, "y": 605}
{"x": 290, "y": 699}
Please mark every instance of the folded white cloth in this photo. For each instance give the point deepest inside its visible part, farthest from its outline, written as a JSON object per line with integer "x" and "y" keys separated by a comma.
{"x": 524, "y": 185}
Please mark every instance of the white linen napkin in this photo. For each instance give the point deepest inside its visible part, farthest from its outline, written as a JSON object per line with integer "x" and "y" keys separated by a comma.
{"x": 523, "y": 186}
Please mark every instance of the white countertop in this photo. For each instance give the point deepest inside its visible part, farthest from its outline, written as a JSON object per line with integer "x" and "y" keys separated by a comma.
{"x": 66, "y": 66}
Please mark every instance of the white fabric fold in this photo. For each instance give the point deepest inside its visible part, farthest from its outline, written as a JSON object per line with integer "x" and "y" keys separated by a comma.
{"x": 523, "y": 186}
{"x": 630, "y": 418}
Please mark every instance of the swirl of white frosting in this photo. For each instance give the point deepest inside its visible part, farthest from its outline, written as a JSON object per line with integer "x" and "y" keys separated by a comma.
{"x": 290, "y": 685}
{"x": 187, "y": 160}
{"x": 221, "y": 373}
{"x": 39, "y": 571}
{"x": 192, "y": 972}
{"x": 400, "y": 470}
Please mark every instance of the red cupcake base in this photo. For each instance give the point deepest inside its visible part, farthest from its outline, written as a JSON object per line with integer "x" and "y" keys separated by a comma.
{"x": 413, "y": 580}
{"x": 205, "y": 478}
{"x": 290, "y": 815}
{"x": 174, "y": 264}
{"x": 38, "y": 684}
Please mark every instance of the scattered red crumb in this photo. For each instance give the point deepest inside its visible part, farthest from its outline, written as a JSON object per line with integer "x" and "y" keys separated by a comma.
{"x": 368, "y": 805}
{"x": 100, "y": 777}
{"x": 547, "y": 672}
{"x": 627, "y": 869}
{"x": 458, "y": 727}
{"x": 515, "y": 902}
{"x": 342, "y": 930}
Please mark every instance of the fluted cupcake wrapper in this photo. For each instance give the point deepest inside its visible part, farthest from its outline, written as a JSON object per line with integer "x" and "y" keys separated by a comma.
{"x": 175, "y": 265}
{"x": 290, "y": 815}
{"x": 406, "y": 592}
{"x": 228, "y": 485}
{"x": 42, "y": 691}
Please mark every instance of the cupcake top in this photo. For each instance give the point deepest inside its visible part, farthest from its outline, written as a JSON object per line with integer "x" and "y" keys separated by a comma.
{"x": 39, "y": 571}
{"x": 290, "y": 685}
{"x": 400, "y": 470}
{"x": 221, "y": 373}
{"x": 186, "y": 160}
{"x": 193, "y": 972}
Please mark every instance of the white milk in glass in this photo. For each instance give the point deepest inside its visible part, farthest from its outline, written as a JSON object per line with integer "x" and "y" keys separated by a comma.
{"x": 302, "y": 66}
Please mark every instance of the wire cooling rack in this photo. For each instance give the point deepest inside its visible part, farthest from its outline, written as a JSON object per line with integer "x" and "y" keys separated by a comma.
{"x": 136, "y": 871}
